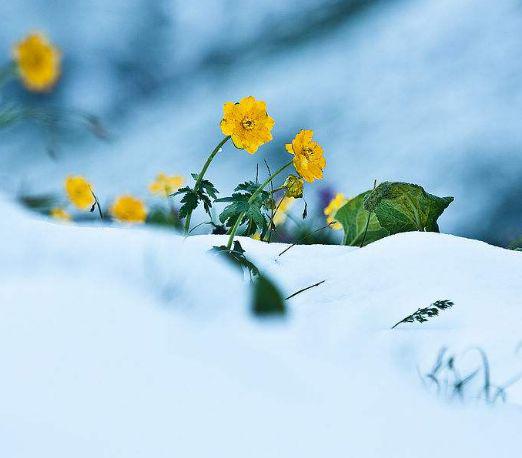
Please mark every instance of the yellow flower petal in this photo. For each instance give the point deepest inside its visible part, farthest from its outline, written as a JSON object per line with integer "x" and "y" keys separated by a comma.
{"x": 248, "y": 123}
{"x": 79, "y": 191}
{"x": 60, "y": 214}
{"x": 308, "y": 156}
{"x": 38, "y": 62}
{"x": 331, "y": 209}
{"x": 129, "y": 209}
{"x": 165, "y": 185}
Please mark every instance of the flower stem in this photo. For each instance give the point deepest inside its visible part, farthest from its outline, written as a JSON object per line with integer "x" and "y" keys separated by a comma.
{"x": 97, "y": 204}
{"x": 202, "y": 174}
{"x": 252, "y": 198}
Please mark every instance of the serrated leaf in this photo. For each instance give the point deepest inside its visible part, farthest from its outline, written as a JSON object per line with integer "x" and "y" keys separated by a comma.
{"x": 253, "y": 212}
{"x": 353, "y": 217}
{"x": 231, "y": 212}
{"x": 189, "y": 203}
{"x": 209, "y": 188}
{"x": 404, "y": 207}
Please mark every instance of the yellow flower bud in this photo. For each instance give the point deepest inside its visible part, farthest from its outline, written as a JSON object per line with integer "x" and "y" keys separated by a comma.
{"x": 294, "y": 187}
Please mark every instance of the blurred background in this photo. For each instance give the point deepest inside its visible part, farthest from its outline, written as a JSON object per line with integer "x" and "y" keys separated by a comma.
{"x": 424, "y": 91}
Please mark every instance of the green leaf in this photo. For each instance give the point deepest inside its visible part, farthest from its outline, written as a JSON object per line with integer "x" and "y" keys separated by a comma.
{"x": 209, "y": 188}
{"x": 403, "y": 207}
{"x": 192, "y": 197}
{"x": 189, "y": 203}
{"x": 267, "y": 299}
{"x": 236, "y": 256}
{"x": 254, "y": 213}
{"x": 353, "y": 217}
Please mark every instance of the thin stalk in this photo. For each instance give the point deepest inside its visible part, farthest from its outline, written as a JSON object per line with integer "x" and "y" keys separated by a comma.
{"x": 201, "y": 175}
{"x": 272, "y": 225}
{"x": 304, "y": 238}
{"x": 305, "y": 289}
{"x": 97, "y": 203}
{"x": 252, "y": 198}
{"x": 273, "y": 211}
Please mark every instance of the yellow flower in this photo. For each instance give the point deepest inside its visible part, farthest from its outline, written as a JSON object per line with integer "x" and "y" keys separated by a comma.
{"x": 165, "y": 185}
{"x": 248, "y": 123}
{"x": 256, "y": 236}
{"x": 129, "y": 209}
{"x": 38, "y": 62}
{"x": 79, "y": 192}
{"x": 282, "y": 208}
{"x": 308, "y": 156}
{"x": 294, "y": 186}
{"x": 335, "y": 204}
{"x": 60, "y": 213}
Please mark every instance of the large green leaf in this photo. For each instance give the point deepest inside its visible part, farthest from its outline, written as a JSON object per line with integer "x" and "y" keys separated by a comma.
{"x": 267, "y": 300}
{"x": 404, "y": 207}
{"x": 353, "y": 217}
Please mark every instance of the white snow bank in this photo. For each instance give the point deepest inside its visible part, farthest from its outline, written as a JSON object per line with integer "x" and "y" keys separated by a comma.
{"x": 130, "y": 343}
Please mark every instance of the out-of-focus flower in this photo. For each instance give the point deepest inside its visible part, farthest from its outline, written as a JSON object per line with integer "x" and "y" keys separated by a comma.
{"x": 79, "y": 192}
{"x": 38, "y": 62}
{"x": 256, "y": 236}
{"x": 129, "y": 209}
{"x": 294, "y": 186}
{"x": 165, "y": 185}
{"x": 308, "y": 156}
{"x": 281, "y": 210}
{"x": 335, "y": 204}
{"x": 60, "y": 213}
{"x": 248, "y": 123}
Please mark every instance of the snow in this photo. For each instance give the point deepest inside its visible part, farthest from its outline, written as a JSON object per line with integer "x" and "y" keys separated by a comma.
{"x": 130, "y": 342}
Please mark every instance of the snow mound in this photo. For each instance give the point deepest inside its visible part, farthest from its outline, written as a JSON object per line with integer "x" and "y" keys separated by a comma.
{"x": 119, "y": 342}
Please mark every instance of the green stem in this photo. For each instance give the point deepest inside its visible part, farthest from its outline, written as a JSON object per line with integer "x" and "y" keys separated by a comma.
{"x": 252, "y": 198}
{"x": 202, "y": 174}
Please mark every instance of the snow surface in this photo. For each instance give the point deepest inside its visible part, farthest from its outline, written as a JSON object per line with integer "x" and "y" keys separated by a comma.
{"x": 132, "y": 342}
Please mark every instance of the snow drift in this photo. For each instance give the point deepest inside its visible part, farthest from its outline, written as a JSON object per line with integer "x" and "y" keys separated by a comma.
{"x": 135, "y": 342}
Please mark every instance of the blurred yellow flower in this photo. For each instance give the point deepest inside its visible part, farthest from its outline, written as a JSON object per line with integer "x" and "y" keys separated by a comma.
{"x": 38, "y": 62}
{"x": 256, "y": 236}
{"x": 294, "y": 186}
{"x": 60, "y": 213}
{"x": 79, "y": 192}
{"x": 335, "y": 204}
{"x": 308, "y": 156}
{"x": 281, "y": 210}
{"x": 129, "y": 209}
{"x": 165, "y": 185}
{"x": 248, "y": 123}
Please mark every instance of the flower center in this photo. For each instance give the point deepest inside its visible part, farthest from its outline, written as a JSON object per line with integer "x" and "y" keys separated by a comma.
{"x": 247, "y": 123}
{"x": 307, "y": 152}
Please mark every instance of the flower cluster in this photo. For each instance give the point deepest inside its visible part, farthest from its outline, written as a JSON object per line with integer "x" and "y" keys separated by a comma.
{"x": 125, "y": 208}
{"x": 252, "y": 206}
